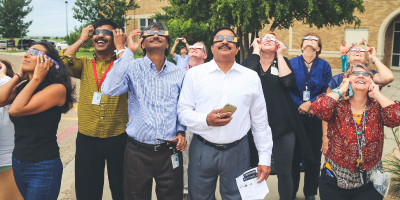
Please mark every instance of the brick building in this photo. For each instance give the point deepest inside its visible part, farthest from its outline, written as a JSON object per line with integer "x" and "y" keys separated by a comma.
{"x": 380, "y": 26}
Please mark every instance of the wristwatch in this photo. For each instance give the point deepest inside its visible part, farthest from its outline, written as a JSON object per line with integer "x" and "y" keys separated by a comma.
{"x": 336, "y": 90}
{"x": 376, "y": 59}
{"x": 183, "y": 132}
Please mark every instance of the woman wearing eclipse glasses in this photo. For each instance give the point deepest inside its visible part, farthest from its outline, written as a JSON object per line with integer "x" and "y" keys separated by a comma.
{"x": 355, "y": 133}
{"x": 36, "y": 108}
{"x": 277, "y": 77}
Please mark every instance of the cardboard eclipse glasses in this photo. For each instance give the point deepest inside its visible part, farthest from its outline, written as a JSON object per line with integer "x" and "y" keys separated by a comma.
{"x": 310, "y": 37}
{"x": 220, "y": 38}
{"x": 153, "y": 32}
{"x": 197, "y": 47}
{"x": 35, "y": 52}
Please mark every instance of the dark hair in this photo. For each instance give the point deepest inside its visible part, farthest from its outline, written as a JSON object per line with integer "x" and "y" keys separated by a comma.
{"x": 159, "y": 26}
{"x": 182, "y": 47}
{"x": 60, "y": 75}
{"x": 8, "y": 65}
{"x": 223, "y": 28}
{"x": 102, "y": 22}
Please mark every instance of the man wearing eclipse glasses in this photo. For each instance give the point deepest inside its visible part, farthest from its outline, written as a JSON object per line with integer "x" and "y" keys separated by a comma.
{"x": 155, "y": 137}
{"x": 102, "y": 120}
{"x": 220, "y": 146}
{"x": 183, "y": 59}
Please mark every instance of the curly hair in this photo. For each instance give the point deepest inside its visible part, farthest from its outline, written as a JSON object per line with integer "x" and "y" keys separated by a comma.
{"x": 60, "y": 75}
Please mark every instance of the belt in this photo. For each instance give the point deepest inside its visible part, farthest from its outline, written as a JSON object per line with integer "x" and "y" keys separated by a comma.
{"x": 156, "y": 147}
{"x": 221, "y": 147}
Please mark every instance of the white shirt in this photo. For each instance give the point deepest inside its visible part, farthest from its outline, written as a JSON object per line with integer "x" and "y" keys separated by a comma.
{"x": 207, "y": 87}
{"x": 6, "y": 132}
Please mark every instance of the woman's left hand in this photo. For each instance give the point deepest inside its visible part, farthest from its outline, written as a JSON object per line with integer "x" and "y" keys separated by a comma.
{"x": 42, "y": 68}
{"x": 372, "y": 53}
{"x": 373, "y": 90}
{"x": 281, "y": 48}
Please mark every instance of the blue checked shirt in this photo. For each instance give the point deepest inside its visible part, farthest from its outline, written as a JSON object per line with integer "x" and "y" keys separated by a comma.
{"x": 152, "y": 96}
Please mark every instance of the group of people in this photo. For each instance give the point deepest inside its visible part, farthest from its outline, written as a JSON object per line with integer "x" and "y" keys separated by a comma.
{"x": 139, "y": 116}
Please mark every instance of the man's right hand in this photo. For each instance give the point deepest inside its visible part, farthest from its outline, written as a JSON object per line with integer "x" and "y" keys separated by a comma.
{"x": 215, "y": 118}
{"x": 176, "y": 41}
{"x": 85, "y": 33}
{"x": 132, "y": 45}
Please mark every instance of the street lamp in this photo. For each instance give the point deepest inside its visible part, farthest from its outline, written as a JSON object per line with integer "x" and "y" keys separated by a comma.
{"x": 20, "y": 18}
{"x": 66, "y": 14}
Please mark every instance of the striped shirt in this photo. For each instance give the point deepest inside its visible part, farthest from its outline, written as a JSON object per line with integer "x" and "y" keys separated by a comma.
{"x": 110, "y": 117}
{"x": 152, "y": 96}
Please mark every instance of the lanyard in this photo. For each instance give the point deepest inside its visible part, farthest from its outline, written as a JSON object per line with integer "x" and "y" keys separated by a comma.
{"x": 104, "y": 75}
{"x": 308, "y": 75}
{"x": 360, "y": 143}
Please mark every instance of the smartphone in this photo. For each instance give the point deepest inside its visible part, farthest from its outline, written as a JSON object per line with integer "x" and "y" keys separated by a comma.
{"x": 171, "y": 142}
{"x": 228, "y": 108}
{"x": 349, "y": 92}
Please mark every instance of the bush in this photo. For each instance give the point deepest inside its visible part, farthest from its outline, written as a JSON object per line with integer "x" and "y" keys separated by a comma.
{"x": 45, "y": 37}
{"x": 56, "y": 38}
{"x": 393, "y": 163}
{"x": 139, "y": 52}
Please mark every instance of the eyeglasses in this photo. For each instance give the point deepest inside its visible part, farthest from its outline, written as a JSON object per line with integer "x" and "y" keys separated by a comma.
{"x": 153, "y": 32}
{"x": 105, "y": 32}
{"x": 220, "y": 38}
{"x": 354, "y": 50}
{"x": 35, "y": 52}
{"x": 310, "y": 37}
{"x": 270, "y": 39}
{"x": 197, "y": 47}
{"x": 358, "y": 73}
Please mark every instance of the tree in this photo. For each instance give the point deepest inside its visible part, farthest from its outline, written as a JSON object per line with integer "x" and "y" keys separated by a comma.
{"x": 250, "y": 16}
{"x": 89, "y": 11}
{"x": 74, "y": 35}
{"x": 10, "y": 25}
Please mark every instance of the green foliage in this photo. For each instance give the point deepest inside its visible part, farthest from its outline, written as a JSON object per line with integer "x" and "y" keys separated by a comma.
{"x": 45, "y": 37}
{"x": 56, "y": 38}
{"x": 89, "y": 11}
{"x": 10, "y": 25}
{"x": 393, "y": 163}
{"x": 75, "y": 35}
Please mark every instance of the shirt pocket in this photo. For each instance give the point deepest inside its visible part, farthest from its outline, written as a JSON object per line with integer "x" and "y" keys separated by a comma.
{"x": 173, "y": 94}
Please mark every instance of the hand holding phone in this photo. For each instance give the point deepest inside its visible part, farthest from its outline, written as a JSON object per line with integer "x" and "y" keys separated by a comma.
{"x": 171, "y": 142}
{"x": 228, "y": 108}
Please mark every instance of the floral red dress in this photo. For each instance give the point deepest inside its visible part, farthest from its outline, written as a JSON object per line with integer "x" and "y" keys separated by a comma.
{"x": 342, "y": 149}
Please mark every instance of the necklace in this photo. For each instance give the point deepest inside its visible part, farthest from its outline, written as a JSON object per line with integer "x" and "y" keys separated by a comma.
{"x": 360, "y": 143}
{"x": 308, "y": 64}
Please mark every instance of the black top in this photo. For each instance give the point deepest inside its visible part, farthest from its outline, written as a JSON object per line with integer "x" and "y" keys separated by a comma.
{"x": 35, "y": 135}
{"x": 283, "y": 116}
{"x": 276, "y": 93}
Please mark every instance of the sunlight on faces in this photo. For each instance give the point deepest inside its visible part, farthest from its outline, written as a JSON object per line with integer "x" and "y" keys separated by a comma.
{"x": 104, "y": 42}
{"x": 153, "y": 42}
{"x": 311, "y": 44}
{"x": 196, "y": 52}
{"x": 219, "y": 48}
{"x": 29, "y": 62}
{"x": 360, "y": 82}
{"x": 268, "y": 45}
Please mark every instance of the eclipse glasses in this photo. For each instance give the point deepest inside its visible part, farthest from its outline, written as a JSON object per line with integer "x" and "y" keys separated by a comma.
{"x": 197, "y": 47}
{"x": 310, "y": 37}
{"x": 35, "y": 52}
{"x": 104, "y": 32}
{"x": 220, "y": 38}
{"x": 153, "y": 32}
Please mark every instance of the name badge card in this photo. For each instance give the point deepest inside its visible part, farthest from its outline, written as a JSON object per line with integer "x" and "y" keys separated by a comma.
{"x": 175, "y": 160}
{"x": 306, "y": 95}
{"x": 96, "y": 98}
{"x": 274, "y": 71}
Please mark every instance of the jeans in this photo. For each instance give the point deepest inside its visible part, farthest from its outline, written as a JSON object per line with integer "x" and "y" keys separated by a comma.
{"x": 329, "y": 190}
{"x": 38, "y": 180}
{"x": 344, "y": 63}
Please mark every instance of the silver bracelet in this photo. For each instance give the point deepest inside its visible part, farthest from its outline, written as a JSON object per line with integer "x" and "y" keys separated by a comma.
{"x": 118, "y": 52}
{"x": 375, "y": 60}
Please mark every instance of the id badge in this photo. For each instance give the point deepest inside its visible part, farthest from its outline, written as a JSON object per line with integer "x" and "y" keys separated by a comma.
{"x": 306, "y": 95}
{"x": 175, "y": 160}
{"x": 274, "y": 71}
{"x": 96, "y": 98}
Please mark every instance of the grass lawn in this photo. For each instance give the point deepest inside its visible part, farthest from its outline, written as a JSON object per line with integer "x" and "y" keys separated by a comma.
{"x": 90, "y": 55}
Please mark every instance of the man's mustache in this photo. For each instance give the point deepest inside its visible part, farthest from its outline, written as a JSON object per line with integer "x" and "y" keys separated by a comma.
{"x": 102, "y": 39}
{"x": 156, "y": 39}
{"x": 224, "y": 45}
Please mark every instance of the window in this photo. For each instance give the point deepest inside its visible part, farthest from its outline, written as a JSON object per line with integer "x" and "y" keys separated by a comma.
{"x": 396, "y": 45}
{"x": 144, "y": 23}
{"x": 355, "y": 35}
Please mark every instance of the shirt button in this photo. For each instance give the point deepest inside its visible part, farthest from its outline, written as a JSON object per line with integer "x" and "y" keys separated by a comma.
{"x": 101, "y": 105}
{"x": 101, "y": 117}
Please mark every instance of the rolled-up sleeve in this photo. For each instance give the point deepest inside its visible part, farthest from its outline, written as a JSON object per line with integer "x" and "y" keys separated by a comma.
{"x": 73, "y": 63}
{"x": 260, "y": 126}
{"x": 117, "y": 80}
{"x": 187, "y": 115}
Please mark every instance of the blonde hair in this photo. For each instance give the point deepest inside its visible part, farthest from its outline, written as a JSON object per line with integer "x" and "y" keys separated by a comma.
{"x": 362, "y": 45}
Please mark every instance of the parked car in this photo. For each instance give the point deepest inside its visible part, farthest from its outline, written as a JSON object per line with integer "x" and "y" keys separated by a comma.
{"x": 3, "y": 44}
{"x": 27, "y": 43}
{"x": 52, "y": 42}
{"x": 62, "y": 45}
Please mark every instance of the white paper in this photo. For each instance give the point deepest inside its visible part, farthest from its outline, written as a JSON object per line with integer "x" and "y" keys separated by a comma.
{"x": 249, "y": 188}
{"x": 274, "y": 71}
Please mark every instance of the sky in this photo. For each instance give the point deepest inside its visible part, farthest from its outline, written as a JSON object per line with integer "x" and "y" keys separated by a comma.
{"x": 49, "y": 18}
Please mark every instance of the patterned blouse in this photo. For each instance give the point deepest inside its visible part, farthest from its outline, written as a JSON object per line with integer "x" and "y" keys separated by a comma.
{"x": 342, "y": 149}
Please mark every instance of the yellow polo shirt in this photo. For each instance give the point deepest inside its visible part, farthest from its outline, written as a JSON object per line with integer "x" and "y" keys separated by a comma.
{"x": 110, "y": 117}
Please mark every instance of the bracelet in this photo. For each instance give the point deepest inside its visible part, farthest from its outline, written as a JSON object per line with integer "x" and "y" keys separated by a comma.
{"x": 81, "y": 41}
{"x": 18, "y": 77}
{"x": 118, "y": 52}
{"x": 376, "y": 59}
{"x": 325, "y": 135}
{"x": 336, "y": 90}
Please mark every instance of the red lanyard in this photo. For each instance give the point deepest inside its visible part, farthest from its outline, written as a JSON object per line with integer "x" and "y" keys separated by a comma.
{"x": 104, "y": 75}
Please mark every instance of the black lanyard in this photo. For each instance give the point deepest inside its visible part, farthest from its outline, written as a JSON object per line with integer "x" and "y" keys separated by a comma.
{"x": 308, "y": 75}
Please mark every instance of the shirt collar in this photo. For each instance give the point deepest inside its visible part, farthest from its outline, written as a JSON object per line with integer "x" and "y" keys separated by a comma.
{"x": 108, "y": 60}
{"x": 213, "y": 66}
{"x": 150, "y": 63}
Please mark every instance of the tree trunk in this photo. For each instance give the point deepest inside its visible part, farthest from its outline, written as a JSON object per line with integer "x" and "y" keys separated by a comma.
{"x": 273, "y": 26}
{"x": 246, "y": 46}
{"x": 239, "y": 33}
